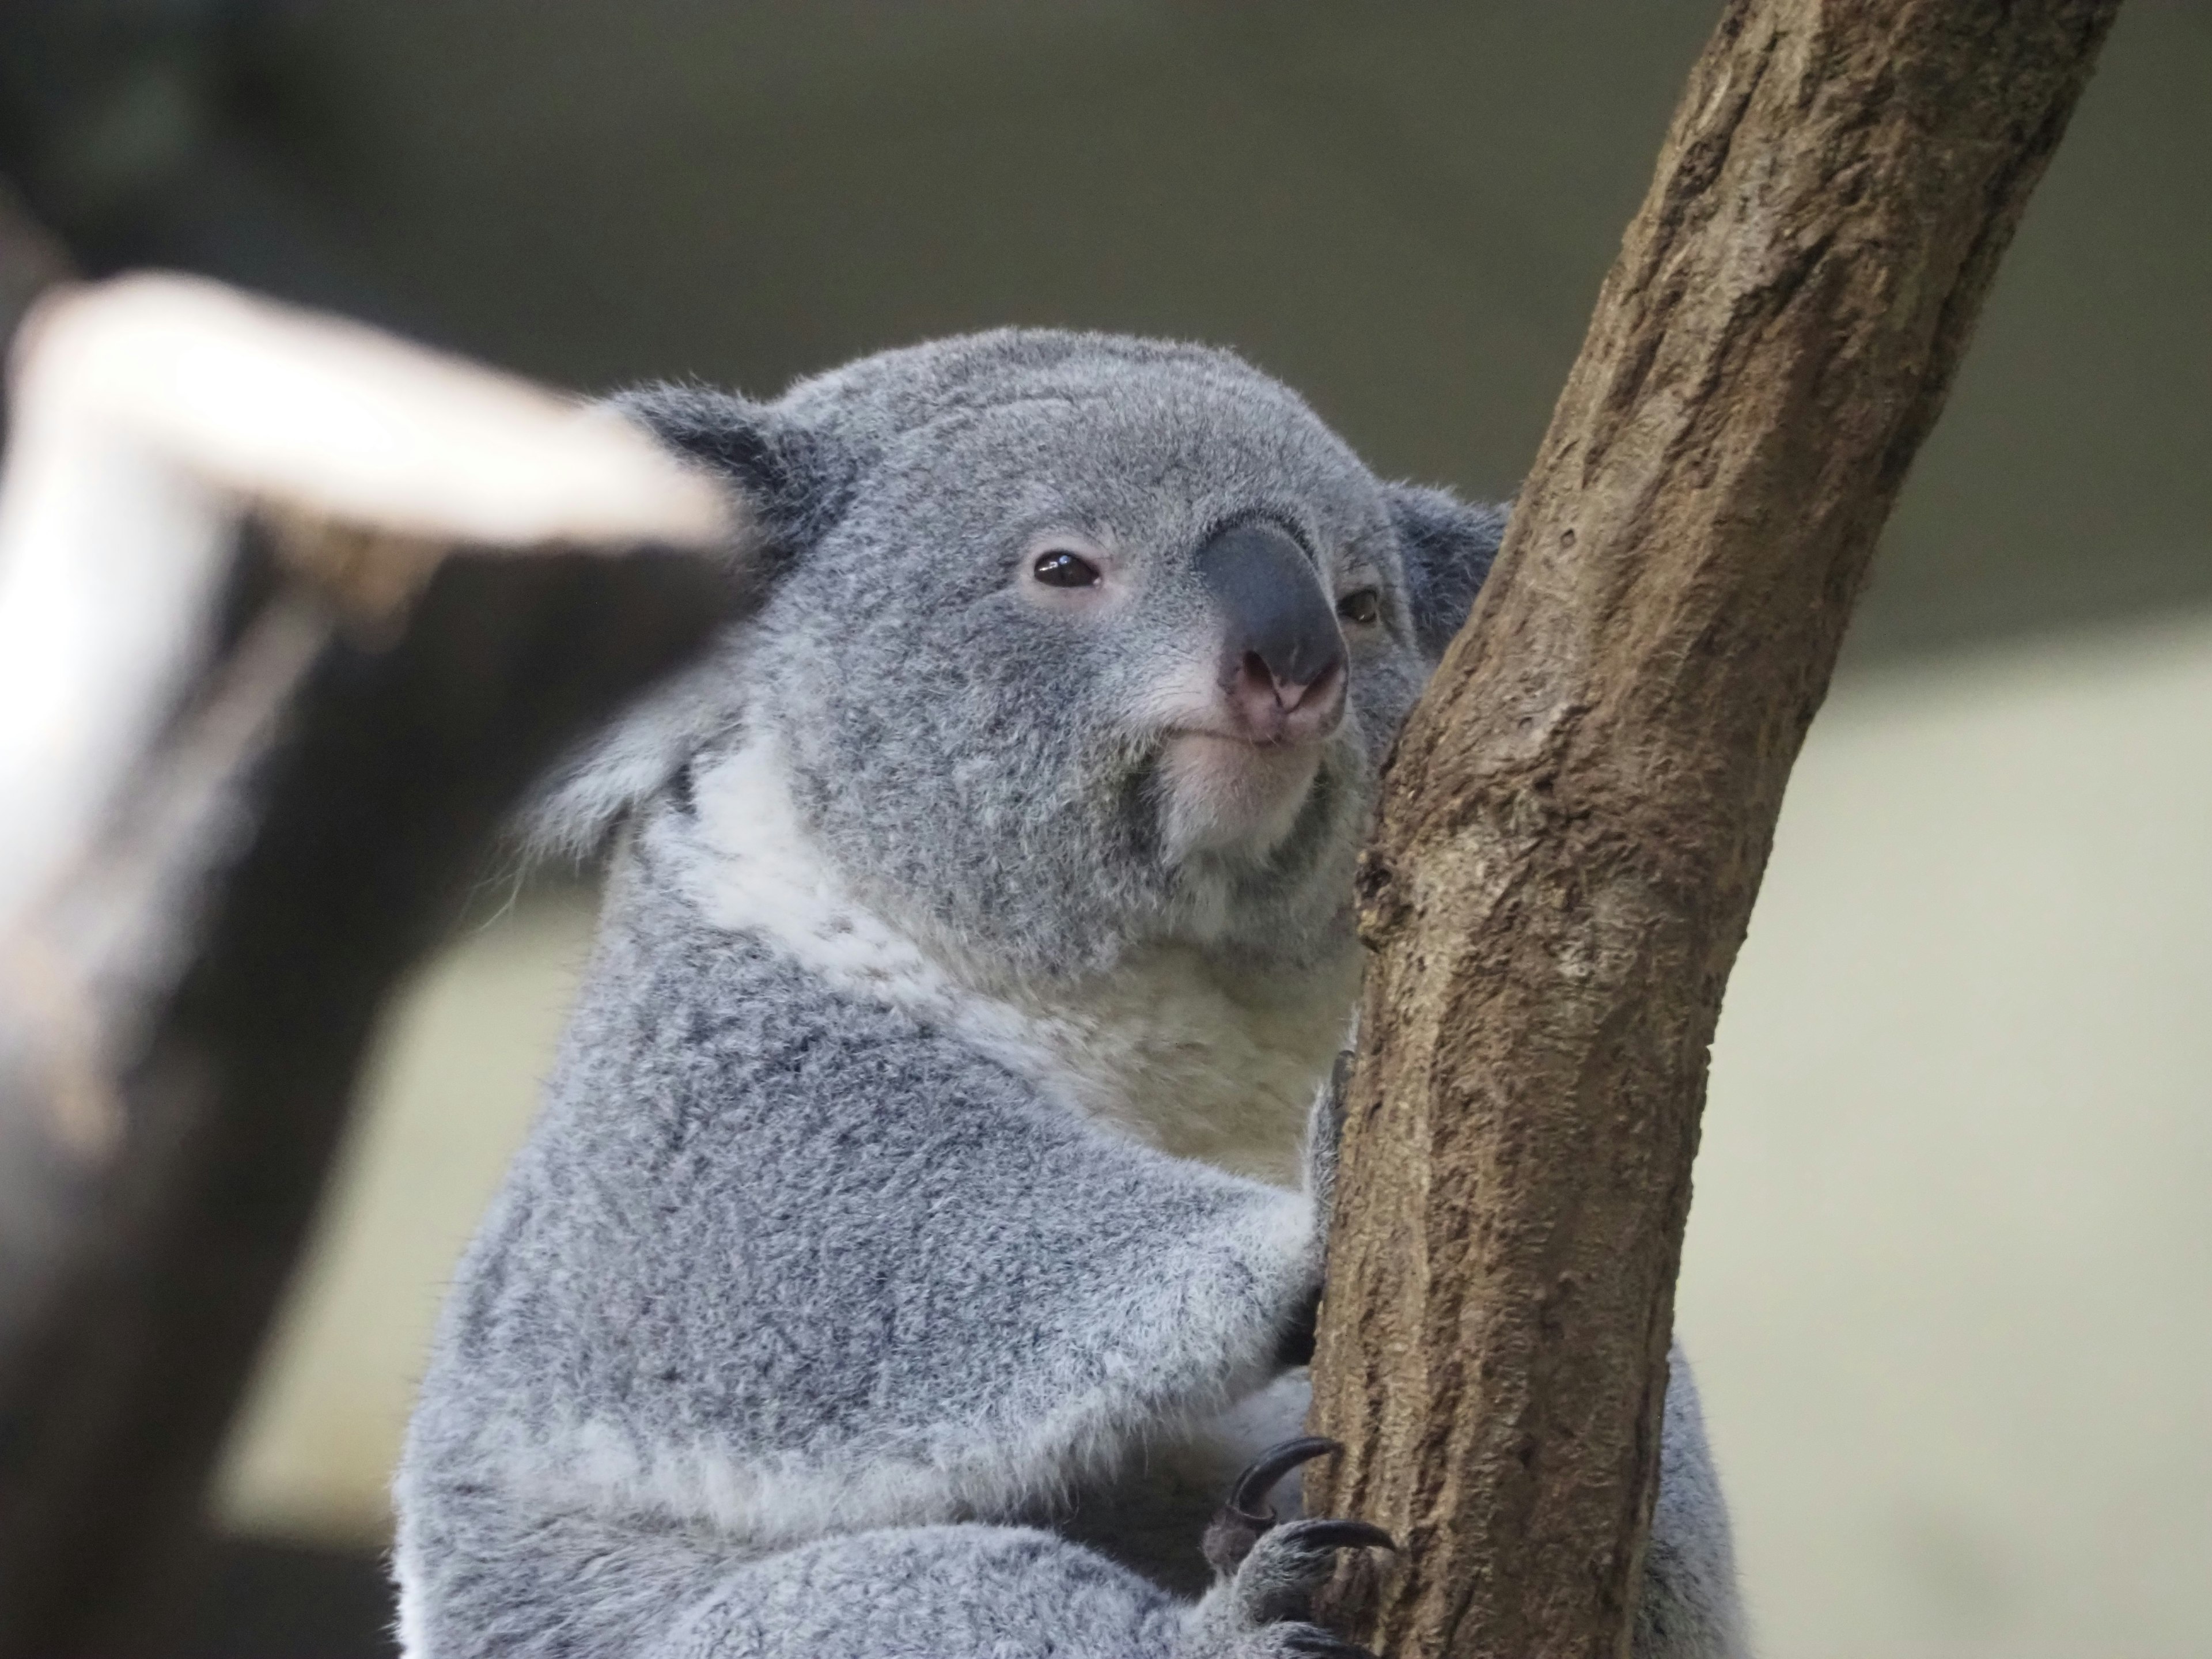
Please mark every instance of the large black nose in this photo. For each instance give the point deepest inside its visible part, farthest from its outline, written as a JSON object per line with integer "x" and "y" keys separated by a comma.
{"x": 1273, "y": 605}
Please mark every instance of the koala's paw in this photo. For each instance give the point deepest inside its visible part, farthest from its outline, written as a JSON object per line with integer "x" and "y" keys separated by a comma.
{"x": 1268, "y": 1570}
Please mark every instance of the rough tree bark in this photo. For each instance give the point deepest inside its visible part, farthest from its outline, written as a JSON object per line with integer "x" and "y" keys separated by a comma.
{"x": 1576, "y": 817}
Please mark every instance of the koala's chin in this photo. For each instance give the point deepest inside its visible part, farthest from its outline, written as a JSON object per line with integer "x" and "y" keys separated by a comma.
{"x": 1223, "y": 794}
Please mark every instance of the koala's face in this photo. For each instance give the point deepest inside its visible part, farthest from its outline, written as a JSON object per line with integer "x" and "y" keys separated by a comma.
{"x": 1096, "y": 643}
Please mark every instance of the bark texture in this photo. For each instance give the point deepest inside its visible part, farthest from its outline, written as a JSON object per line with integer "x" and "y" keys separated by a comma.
{"x": 1578, "y": 816}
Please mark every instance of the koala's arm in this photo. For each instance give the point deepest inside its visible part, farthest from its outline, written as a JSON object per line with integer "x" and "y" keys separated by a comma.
{"x": 865, "y": 1273}
{"x": 815, "y": 1274}
{"x": 805, "y": 1287}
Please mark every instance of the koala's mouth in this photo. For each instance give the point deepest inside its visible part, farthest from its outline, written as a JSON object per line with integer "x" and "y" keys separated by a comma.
{"x": 1220, "y": 793}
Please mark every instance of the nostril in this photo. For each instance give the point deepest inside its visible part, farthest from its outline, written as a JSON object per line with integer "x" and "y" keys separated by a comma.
{"x": 1294, "y": 666}
{"x": 1317, "y": 690}
{"x": 1269, "y": 707}
{"x": 1261, "y": 683}
{"x": 1260, "y": 677}
{"x": 1292, "y": 689}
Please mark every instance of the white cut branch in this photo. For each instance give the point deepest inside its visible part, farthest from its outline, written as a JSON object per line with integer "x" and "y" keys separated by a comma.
{"x": 148, "y": 414}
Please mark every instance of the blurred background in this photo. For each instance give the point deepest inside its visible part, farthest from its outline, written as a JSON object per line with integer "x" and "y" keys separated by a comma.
{"x": 1949, "y": 1271}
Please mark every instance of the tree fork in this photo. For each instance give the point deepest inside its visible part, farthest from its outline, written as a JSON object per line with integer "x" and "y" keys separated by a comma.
{"x": 1575, "y": 819}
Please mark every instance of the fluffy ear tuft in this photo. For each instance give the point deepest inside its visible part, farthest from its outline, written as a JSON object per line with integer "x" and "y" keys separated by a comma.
{"x": 1448, "y": 544}
{"x": 578, "y": 805}
{"x": 797, "y": 482}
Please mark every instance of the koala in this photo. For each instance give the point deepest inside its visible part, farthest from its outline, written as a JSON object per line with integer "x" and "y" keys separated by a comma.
{"x": 929, "y": 1199}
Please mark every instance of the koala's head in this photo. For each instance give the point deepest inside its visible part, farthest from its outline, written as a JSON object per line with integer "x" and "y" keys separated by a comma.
{"x": 1068, "y": 642}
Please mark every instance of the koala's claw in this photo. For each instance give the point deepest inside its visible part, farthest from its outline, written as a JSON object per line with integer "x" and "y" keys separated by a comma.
{"x": 1240, "y": 1522}
{"x": 1342, "y": 1535}
{"x": 1248, "y": 1496}
{"x": 1268, "y": 1570}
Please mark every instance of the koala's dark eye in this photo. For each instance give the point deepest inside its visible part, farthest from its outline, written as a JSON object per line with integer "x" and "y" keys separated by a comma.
{"x": 1362, "y": 607}
{"x": 1061, "y": 569}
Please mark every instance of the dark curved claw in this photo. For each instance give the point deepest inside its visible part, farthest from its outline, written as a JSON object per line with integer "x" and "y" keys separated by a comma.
{"x": 1341, "y": 1534}
{"x": 1248, "y": 1496}
{"x": 1240, "y": 1522}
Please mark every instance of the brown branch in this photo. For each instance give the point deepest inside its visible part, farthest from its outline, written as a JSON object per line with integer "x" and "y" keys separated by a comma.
{"x": 1578, "y": 816}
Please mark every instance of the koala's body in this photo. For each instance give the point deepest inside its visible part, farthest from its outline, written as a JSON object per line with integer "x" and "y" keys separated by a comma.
{"x": 933, "y": 1178}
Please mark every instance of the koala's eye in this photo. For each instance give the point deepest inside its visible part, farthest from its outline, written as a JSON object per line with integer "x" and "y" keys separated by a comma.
{"x": 1061, "y": 568}
{"x": 1362, "y": 607}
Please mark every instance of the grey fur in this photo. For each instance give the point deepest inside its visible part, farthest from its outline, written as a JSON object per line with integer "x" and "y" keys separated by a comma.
{"x": 886, "y": 1273}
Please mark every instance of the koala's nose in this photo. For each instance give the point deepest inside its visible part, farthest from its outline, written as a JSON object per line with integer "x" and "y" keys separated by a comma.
{"x": 1282, "y": 660}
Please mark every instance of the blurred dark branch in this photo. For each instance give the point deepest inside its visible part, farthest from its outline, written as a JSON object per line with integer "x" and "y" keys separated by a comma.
{"x": 32, "y": 260}
{"x": 183, "y": 1013}
{"x": 156, "y": 1243}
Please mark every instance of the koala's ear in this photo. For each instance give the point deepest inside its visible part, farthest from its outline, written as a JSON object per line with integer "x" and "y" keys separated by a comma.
{"x": 1448, "y": 545}
{"x": 797, "y": 481}
{"x": 797, "y": 484}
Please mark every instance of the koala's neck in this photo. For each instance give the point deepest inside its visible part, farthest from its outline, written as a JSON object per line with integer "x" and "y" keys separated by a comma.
{"x": 1172, "y": 1046}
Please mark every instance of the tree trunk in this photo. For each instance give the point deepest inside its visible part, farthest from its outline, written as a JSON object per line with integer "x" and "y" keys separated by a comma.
{"x": 1575, "y": 819}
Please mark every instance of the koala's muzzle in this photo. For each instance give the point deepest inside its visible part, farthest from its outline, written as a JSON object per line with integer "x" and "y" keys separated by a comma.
{"x": 1282, "y": 657}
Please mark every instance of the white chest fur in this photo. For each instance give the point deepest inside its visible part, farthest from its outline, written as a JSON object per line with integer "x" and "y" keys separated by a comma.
{"x": 1167, "y": 1047}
